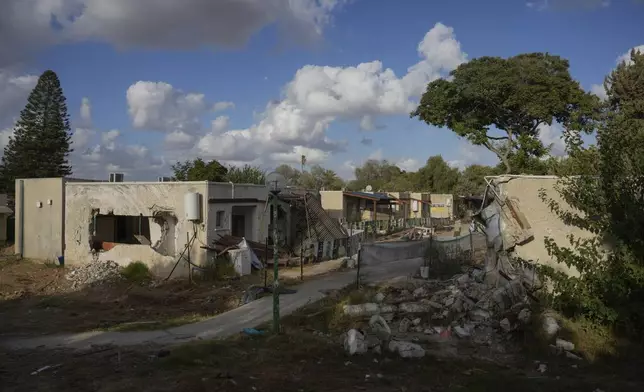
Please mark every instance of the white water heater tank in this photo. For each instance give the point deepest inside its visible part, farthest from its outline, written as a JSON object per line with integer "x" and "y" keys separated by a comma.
{"x": 191, "y": 206}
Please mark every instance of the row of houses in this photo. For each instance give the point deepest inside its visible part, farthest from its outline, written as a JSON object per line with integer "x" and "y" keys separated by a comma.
{"x": 75, "y": 220}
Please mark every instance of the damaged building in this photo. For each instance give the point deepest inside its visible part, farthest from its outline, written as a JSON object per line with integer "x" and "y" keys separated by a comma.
{"x": 516, "y": 221}
{"x": 152, "y": 222}
{"x": 303, "y": 225}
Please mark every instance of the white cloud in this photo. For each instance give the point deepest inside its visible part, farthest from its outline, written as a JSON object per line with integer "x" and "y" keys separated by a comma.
{"x": 220, "y": 124}
{"x": 14, "y": 90}
{"x": 112, "y": 155}
{"x": 223, "y": 105}
{"x": 319, "y": 95}
{"x": 469, "y": 154}
{"x": 5, "y": 135}
{"x": 85, "y": 113}
{"x": 409, "y": 164}
{"x": 31, "y": 25}
{"x": 553, "y": 135}
{"x": 159, "y": 106}
{"x": 313, "y": 156}
{"x": 375, "y": 155}
{"x": 626, "y": 57}
{"x": 81, "y": 138}
{"x": 599, "y": 90}
{"x": 541, "y": 5}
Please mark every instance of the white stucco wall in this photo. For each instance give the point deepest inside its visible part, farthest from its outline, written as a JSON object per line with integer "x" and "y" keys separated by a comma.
{"x": 39, "y": 218}
{"x": 134, "y": 198}
{"x": 222, "y": 197}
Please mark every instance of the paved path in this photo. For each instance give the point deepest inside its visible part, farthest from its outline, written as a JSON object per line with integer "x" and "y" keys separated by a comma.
{"x": 225, "y": 324}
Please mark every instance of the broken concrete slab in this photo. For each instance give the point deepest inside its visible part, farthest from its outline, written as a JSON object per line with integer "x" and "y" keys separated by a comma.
{"x": 367, "y": 309}
{"x": 354, "y": 342}
{"x": 406, "y": 349}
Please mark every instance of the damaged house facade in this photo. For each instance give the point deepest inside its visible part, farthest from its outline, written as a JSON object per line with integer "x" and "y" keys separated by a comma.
{"x": 152, "y": 222}
{"x": 304, "y": 226}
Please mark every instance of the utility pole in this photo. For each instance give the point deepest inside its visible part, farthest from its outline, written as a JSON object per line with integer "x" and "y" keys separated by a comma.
{"x": 276, "y": 289}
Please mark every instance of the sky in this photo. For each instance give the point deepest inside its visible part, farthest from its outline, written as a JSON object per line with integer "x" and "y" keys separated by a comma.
{"x": 152, "y": 82}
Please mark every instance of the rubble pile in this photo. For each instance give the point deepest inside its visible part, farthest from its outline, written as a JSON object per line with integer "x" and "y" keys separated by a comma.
{"x": 463, "y": 308}
{"x": 94, "y": 272}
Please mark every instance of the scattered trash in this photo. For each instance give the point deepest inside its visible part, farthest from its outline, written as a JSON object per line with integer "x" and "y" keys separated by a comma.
{"x": 253, "y": 332}
{"x": 542, "y": 368}
{"x": 48, "y": 367}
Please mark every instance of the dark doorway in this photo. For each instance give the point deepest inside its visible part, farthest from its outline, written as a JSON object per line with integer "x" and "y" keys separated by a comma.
{"x": 238, "y": 225}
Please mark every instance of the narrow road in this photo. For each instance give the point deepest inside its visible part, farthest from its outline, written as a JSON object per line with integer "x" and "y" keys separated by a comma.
{"x": 225, "y": 324}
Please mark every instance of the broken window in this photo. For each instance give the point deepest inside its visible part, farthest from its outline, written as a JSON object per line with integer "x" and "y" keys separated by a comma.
{"x": 157, "y": 232}
{"x": 122, "y": 229}
{"x": 219, "y": 219}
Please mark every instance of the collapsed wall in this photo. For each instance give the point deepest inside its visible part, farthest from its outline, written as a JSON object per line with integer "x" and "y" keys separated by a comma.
{"x": 517, "y": 221}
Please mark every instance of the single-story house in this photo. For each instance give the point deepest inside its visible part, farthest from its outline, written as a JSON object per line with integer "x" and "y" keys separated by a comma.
{"x": 125, "y": 222}
{"x": 358, "y": 206}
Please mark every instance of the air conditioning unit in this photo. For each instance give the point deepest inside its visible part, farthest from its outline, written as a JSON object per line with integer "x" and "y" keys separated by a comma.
{"x": 116, "y": 177}
{"x": 164, "y": 179}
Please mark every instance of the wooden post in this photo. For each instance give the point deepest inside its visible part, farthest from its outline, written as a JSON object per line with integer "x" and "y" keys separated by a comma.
{"x": 358, "y": 267}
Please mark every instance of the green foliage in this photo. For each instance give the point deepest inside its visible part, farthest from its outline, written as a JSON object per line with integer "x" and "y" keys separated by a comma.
{"x": 501, "y": 103}
{"x": 318, "y": 178}
{"x": 381, "y": 175}
{"x": 40, "y": 145}
{"x": 610, "y": 204}
{"x": 472, "y": 180}
{"x": 436, "y": 176}
{"x": 290, "y": 174}
{"x": 246, "y": 174}
{"x": 136, "y": 272}
{"x": 198, "y": 170}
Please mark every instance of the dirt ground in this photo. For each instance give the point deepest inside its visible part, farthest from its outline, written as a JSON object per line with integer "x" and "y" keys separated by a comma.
{"x": 298, "y": 360}
{"x": 36, "y": 298}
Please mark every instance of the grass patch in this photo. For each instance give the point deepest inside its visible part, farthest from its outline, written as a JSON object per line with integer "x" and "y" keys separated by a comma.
{"x": 137, "y": 272}
{"x": 592, "y": 340}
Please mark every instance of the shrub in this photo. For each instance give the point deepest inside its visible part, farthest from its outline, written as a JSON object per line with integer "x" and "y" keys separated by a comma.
{"x": 136, "y": 272}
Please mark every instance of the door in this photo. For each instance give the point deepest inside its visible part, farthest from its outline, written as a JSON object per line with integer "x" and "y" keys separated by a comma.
{"x": 238, "y": 225}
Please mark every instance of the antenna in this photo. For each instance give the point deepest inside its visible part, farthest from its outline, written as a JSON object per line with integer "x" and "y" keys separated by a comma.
{"x": 275, "y": 182}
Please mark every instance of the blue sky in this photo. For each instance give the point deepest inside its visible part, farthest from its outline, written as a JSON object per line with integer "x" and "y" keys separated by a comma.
{"x": 152, "y": 76}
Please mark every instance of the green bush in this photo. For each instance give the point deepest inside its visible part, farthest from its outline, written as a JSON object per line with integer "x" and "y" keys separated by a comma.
{"x": 137, "y": 272}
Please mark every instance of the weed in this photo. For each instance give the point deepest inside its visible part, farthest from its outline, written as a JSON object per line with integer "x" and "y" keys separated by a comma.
{"x": 136, "y": 272}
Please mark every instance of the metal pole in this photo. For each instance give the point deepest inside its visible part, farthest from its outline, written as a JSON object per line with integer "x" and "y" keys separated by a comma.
{"x": 276, "y": 294}
{"x": 358, "y": 268}
{"x": 266, "y": 263}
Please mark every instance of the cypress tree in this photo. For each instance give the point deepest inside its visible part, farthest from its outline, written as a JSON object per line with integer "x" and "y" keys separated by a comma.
{"x": 40, "y": 145}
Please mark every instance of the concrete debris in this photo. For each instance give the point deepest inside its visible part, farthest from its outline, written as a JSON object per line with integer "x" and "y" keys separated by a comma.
{"x": 550, "y": 326}
{"x": 570, "y": 355}
{"x": 524, "y": 316}
{"x": 379, "y": 297}
{"x": 415, "y": 307}
{"x": 379, "y": 327}
{"x": 505, "y": 325}
{"x": 94, "y": 272}
{"x": 354, "y": 342}
{"x": 404, "y": 325}
{"x": 367, "y": 309}
{"x": 564, "y": 345}
{"x": 416, "y": 321}
{"x": 542, "y": 368}
{"x": 406, "y": 349}
{"x": 461, "y": 332}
